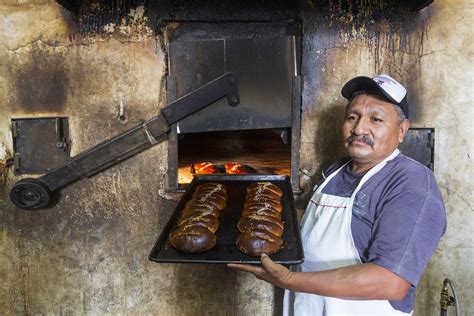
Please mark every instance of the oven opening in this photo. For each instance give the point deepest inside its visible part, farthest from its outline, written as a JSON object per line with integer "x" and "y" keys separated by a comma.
{"x": 258, "y": 151}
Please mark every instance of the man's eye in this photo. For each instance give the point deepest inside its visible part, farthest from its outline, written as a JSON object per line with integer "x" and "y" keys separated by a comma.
{"x": 352, "y": 118}
{"x": 376, "y": 119}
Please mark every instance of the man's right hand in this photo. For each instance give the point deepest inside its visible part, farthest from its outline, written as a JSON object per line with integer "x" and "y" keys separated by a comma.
{"x": 269, "y": 271}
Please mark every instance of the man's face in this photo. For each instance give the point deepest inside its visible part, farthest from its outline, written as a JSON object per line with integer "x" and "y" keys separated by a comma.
{"x": 371, "y": 131}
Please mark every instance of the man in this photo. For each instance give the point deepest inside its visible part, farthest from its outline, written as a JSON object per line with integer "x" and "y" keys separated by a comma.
{"x": 374, "y": 222}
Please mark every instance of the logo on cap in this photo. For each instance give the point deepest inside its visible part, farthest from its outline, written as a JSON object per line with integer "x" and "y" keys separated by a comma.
{"x": 394, "y": 89}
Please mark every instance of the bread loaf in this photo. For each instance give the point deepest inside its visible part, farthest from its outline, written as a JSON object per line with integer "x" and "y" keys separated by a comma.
{"x": 236, "y": 168}
{"x": 199, "y": 220}
{"x": 260, "y": 225}
{"x": 217, "y": 187}
{"x": 204, "y": 168}
{"x": 249, "y": 224}
{"x": 208, "y": 221}
{"x": 273, "y": 204}
{"x": 264, "y": 187}
{"x": 256, "y": 242}
{"x": 192, "y": 239}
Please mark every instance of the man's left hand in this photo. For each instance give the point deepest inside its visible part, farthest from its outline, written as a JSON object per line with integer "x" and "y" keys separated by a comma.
{"x": 269, "y": 271}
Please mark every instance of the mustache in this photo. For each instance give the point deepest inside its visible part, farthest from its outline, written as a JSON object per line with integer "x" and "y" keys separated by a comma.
{"x": 364, "y": 139}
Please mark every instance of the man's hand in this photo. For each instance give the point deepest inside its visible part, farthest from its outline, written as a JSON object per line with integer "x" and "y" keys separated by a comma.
{"x": 270, "y": 271}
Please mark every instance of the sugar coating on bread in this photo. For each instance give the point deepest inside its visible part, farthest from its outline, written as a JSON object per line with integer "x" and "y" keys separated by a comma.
{"x": 260, "y": 224}
{"x": 199, "y": 220}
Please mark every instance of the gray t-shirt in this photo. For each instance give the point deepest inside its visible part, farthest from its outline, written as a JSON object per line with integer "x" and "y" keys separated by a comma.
{"x": 398, "y": 217}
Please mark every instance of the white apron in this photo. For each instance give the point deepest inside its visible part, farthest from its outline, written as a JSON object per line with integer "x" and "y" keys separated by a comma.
{"x": 328, "y": 244}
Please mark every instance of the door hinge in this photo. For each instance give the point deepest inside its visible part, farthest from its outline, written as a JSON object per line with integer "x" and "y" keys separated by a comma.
{"x": 16, "y": 161}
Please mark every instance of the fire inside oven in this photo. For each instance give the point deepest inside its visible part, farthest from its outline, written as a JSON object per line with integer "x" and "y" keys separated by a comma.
{"x": 258, "y": 151}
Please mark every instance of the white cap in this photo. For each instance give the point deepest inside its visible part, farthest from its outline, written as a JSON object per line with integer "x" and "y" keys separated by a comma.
{"x": 385, "y": 85}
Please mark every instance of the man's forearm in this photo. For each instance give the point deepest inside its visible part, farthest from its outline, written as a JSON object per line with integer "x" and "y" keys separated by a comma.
{"x": 364, "y": 281}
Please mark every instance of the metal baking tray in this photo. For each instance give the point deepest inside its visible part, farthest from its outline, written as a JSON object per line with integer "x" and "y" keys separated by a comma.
{"x": 225, "y": 250}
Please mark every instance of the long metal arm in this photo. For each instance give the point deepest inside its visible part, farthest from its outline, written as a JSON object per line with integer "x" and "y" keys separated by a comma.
{"x": 31, "y": 194}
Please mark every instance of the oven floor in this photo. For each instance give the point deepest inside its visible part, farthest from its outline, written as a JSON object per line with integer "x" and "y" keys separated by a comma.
{"x": 280, "y": 163}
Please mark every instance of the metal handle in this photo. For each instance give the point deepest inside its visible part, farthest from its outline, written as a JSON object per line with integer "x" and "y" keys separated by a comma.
{"x": 446, "y": 300}
{"x": 32, "y": 194}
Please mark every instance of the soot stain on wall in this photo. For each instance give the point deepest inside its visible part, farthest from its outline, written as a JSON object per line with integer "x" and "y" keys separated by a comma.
{"x": 382, "y": 27}
{"x": 41, "y": 81}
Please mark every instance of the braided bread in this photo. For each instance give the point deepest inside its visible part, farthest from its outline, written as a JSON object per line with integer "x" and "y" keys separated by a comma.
{"x": 199, "y": 220}
{"x": 260, "y": 225}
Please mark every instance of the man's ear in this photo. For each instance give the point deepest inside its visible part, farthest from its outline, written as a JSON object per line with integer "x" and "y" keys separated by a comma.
{"x": 403, "y": 129}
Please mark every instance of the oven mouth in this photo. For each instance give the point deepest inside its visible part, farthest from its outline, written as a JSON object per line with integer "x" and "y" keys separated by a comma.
{"x": 258, "y": 151}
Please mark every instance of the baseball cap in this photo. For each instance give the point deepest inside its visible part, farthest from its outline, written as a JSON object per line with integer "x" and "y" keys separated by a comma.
{"x": 384, "y": 85}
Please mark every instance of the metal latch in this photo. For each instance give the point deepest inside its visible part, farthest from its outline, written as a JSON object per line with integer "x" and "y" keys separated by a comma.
{"x": 16, "y": 161}
{"x": 61, "y": 137}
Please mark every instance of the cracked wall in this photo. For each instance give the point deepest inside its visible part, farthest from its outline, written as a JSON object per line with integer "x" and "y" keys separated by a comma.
{"x": 88, "y": 254}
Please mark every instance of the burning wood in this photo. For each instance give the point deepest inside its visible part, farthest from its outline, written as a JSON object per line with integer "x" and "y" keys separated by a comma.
{"x": 229, "y": 168}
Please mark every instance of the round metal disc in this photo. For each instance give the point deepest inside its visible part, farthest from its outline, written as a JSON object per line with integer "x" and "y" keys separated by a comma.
{"x": 30, "y": 194}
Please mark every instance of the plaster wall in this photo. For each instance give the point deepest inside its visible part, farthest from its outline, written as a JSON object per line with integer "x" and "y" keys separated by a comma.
{"x": 88, "y": 254}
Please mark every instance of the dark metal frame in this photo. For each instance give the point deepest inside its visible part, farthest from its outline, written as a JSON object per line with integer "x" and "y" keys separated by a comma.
{"x": 31, "y": 194}
{"x": 173, "y": 185}
{"x": 419, "y": 145}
